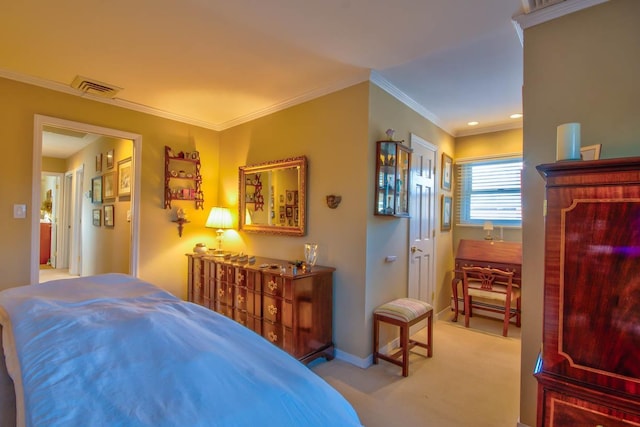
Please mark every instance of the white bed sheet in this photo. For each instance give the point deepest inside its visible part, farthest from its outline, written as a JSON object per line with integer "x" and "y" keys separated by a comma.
{"x": 112, "y": 350}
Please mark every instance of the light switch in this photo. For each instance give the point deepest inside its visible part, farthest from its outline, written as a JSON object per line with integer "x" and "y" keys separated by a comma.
{"x": 20, "y": 211}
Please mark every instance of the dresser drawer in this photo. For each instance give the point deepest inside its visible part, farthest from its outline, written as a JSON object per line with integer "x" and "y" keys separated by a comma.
{"x": 277, "y": 310}
{"x": 241, "y": 298}
{"x": 278, "y": 335}
{"x": 277, "y": 286}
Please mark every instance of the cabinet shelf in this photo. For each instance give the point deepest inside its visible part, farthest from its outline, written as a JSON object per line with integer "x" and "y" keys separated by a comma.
{"x": 393, "y": 163}
{"x": 182, "y": 188}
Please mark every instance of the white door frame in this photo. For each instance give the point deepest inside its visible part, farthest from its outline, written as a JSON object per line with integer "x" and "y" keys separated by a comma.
{"x": 40, "y": 122}
{"x": 75, "y": 223}
{"x": 56, "y": 213}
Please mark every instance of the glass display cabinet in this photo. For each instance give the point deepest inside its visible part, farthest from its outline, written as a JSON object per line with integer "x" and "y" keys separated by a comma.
{"x": 393, "y": 161}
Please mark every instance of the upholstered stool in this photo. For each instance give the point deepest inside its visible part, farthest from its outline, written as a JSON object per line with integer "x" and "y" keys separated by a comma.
{"x": 402, "y": 312}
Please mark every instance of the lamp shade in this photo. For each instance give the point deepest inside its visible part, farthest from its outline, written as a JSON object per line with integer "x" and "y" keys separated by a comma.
{"x": 219, "y": 218}
{"x": 488, "y": 226}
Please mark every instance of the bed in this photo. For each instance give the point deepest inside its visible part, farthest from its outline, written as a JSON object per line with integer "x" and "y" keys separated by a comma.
{"x": 112, "y": 350}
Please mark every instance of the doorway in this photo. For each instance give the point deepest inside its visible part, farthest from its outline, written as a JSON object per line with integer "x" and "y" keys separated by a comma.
{"x": 75, "y": 215}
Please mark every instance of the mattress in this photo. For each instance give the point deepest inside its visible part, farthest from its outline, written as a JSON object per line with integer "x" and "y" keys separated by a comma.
{"x": 114, "y": 350}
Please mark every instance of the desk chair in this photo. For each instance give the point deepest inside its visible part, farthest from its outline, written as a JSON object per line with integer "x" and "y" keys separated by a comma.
{"x": 493, "y": 284}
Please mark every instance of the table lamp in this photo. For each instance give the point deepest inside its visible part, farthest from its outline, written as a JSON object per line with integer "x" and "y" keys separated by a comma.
{"x": 220, "y": 219}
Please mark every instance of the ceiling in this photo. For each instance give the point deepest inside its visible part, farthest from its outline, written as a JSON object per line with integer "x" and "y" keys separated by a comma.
{"x": 218, "y": 63}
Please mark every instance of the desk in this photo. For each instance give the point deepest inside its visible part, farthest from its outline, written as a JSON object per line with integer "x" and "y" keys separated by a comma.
{"x": 486, "y": 253}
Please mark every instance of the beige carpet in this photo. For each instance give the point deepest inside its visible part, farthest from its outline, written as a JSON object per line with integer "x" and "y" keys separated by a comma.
{"x": 473, "y": 379}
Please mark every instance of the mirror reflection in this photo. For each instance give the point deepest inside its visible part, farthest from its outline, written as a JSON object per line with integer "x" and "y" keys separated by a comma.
{"x": 273, "y": 197}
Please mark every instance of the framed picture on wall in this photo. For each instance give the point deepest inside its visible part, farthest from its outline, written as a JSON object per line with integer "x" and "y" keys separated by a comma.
{"x": 445, "y": 215}
{"x": 97, "y": 217}
{"x": 108, "y": 216}
{"x": 96, "y": 189}
{"x": 108, "y": 186}
{"x": 124, "y": 177}
{"x": 110, "y": 159}
{"x": 99, "y": 162}
{"x": 447, "y": 171}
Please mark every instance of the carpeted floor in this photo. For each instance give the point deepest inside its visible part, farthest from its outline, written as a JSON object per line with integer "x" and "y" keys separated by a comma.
{"x": 472, "y": 380}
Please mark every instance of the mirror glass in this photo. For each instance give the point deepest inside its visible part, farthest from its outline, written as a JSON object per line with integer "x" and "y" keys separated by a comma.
{"x": 273, "y": 197}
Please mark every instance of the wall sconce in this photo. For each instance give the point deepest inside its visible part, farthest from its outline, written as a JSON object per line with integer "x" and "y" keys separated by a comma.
{"x": 488, "y": 227}
{"x": 181, "y": 220}
{"x": 219, "y": 218}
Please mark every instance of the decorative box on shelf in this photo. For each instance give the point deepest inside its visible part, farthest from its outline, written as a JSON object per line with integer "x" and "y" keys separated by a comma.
{"x": 393, "y": 162}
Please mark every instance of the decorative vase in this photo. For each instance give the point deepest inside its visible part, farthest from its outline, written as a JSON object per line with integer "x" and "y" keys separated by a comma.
{"x": 310, "y": 255}
{"x": 200, "y": 248}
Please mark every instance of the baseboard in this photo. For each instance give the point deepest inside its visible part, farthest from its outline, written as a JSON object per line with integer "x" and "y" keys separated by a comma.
{"x": 519, "y": 424}
{"x": 354, "y": 360}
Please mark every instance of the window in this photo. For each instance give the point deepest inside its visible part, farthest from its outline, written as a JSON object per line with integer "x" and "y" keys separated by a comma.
{"x": 489, "y": 190}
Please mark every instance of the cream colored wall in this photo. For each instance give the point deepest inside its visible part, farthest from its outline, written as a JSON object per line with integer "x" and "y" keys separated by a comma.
{"x": 104, "y": 249}
{"x": 583, "y": 67}
{"x": 484, "y": 145}
{"x": 162, "y": 259}
{"x": 389, "y": 236}
{"x": 331, "y": 132}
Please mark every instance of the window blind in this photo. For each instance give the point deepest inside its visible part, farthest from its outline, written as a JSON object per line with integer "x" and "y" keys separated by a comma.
{"x": 489, "y": 190}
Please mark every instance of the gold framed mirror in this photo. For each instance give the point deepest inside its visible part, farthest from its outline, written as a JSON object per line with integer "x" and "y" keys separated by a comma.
{"x": 273, "y": 197}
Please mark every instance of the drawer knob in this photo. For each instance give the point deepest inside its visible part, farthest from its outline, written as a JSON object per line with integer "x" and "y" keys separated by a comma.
{"x": 273, "y": 310}
{"x": 272, "y": 285}
{"x": 240, "y": 299}
{"x": 220, "y": 292}
{"x": 272, "y": 336}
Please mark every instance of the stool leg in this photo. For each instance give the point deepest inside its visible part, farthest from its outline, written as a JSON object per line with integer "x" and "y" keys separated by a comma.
{"x": 376, "y": 339}
{"x": 430, "y": 335}
{"x": 404, "y": 341}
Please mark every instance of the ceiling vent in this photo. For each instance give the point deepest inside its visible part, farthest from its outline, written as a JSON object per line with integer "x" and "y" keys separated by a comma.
{"x": 94, "y": 87}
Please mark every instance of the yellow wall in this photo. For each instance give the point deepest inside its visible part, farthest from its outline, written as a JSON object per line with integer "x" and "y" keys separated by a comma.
{"x": 583, "y": 67}
{"x": 162, "y": 259}
{"x": 386, "y": 236}
{"x": 489, "y": 144}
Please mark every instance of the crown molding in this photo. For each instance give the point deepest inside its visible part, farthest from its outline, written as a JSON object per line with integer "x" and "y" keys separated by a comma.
{"x": 554, "y": 11}
{"x": 388, "y": 87}
{"x": 59, "y": 87}
{"x": 514, "y": 124}
{"x": 316, "y": 93}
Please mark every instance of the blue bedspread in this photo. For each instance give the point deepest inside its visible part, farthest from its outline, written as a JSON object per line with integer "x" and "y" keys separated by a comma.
{"x": 112, "y": 350}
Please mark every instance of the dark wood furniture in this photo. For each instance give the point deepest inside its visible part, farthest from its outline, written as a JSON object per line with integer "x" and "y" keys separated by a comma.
{"x": 45, "y": 242}
{"x": 492, "y": 284}
{"x": 182, "y": 179}
{"x": 293, "y": 311}
{"x": 404, "y": 313}
{"x": 393, "y": 162}
{"x": 589, "y": 369}
{"x": 505, "y": 256}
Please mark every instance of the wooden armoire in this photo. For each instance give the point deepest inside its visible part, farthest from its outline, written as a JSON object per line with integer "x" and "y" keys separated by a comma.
{"x": 589, "y": 368}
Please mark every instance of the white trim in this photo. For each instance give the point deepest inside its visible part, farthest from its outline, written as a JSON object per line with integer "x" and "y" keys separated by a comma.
{"x": 506, "y": 156}
{"x": 557, "y": 10}
{"x": 59, "y": 87}
{"x": 388, "y": 87}
{"x": 39, "y": 122}
{"x": 475, "y": 130}
{"x": 354, "y": 360}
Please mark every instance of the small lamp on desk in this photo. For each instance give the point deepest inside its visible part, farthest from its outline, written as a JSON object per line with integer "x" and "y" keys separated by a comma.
{"x": 219, "y": 218}
{"x": 488, "y": 227}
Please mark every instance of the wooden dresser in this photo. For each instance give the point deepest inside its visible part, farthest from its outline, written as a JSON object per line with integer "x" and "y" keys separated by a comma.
{"x": 293, "y": 312}
{"x": 589, "y": 368}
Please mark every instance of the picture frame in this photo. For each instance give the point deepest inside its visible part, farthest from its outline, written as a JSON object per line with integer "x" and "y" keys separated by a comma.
{"x": 124, "y": 177}
{"x": 447, "y": 172}
{"x": 289, "y": 198}
{"x": 289, "y": 211}
{"x": 590, "y": 152}
{"x": 99, "y": 162}
{"x": 97, "y": 217}
{"x": 108, "y": 186}
{"x": 110, "y": 159}
{"x": 446, "y": 212}
{"x": 108, "y": 216}
{"x": 96, "y": 189}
